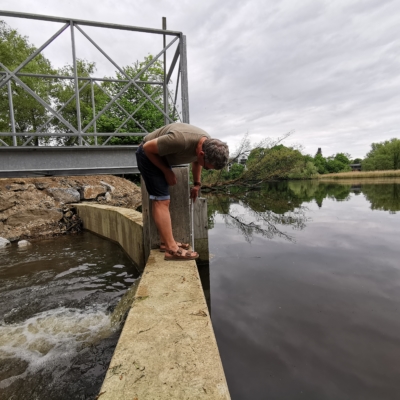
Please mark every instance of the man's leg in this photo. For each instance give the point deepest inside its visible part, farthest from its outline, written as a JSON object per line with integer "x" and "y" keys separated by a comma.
{"x": 162, "y": 219}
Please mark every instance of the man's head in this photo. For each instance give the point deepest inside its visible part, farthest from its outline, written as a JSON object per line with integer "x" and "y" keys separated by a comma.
{"x": 216, "y": 153}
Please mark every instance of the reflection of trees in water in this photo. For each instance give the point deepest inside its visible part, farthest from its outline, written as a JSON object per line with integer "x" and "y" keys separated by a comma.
{"x": 384, "y": 197}
{"x": 307, "y": 191}
{"x": 279, "y": 204}
{"x": 267, "y": 210}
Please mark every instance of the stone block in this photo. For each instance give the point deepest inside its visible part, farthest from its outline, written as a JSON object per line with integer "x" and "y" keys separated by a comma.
{"x": 90, "y": 192}
{"x": 34, "y": 216}
{"x": 64, "y": 195}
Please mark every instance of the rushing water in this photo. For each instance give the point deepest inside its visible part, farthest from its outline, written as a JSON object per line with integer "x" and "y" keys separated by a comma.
{"x": 305, "y": 290}
{"x": 56, "y": 331}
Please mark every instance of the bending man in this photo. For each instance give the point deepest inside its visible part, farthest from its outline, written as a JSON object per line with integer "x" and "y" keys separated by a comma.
{"x": 170, "y": 145}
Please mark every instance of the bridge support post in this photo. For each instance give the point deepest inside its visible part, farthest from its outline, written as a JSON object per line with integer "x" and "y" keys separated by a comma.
{"x": 179, "y": 208}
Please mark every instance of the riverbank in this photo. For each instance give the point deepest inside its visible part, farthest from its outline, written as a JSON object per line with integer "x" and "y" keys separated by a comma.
{"x": 39, "y": 208}
{"x": 361, "y": 174}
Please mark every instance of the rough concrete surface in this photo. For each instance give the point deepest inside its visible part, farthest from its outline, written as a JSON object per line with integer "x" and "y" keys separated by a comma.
{"x": 167, "y": 349}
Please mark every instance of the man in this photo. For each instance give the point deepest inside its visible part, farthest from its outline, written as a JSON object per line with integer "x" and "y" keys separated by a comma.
{"x": 170, "y": 145}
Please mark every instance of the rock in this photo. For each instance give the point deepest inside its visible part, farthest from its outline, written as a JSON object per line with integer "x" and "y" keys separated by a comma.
{"x": 4, "y": 242}
{"x": 68, "y": 214}
{"x": 19, "y": 187}
{"x": 65, "y": 196}
{"x": 1, "y": 226}
{"x": 108, "y": 197}
{"x": 24, "y": 243}
{"x": 41, "y": 185}
{"x": 5, "y": 204}
{"x": 34, "y": 216}
{"x": 90, "y": 192}
{"x": 109, "y": 187}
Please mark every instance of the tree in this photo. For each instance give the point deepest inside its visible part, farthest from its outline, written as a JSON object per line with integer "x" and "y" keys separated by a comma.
{"x": 383, "y": 156}
{"x": 29, "y": 113}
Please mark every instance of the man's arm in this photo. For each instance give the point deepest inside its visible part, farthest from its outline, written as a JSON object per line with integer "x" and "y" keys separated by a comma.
{"x": 151, "y": 150}
{"x": 196, "y": 171}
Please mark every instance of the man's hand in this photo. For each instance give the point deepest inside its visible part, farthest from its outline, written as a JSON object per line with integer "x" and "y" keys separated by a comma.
{"x": 170, "y": 177}
{"x": 194, "y": 192}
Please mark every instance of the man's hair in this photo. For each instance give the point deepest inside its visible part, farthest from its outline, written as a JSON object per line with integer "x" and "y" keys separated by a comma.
{"x": 216, "y": 153}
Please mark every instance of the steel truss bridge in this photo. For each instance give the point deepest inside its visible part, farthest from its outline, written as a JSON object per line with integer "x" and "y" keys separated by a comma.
{"x": 23, "y": 153}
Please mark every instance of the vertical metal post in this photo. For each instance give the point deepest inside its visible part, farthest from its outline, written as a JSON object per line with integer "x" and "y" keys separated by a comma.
{"x": 184, "y": 87}
{"x": 11, "y": 105}
{"x": 78, "y": 107}
{"x": 165, "y": 87}
{"x": 94, "y": 112}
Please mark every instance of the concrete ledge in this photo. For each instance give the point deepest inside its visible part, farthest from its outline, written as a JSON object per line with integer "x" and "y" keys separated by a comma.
{"x": 167, "y": 348}
{"x": 122, "y": 225}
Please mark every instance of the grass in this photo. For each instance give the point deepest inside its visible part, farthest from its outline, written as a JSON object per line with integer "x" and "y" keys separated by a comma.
{"x": 361, "y": 174}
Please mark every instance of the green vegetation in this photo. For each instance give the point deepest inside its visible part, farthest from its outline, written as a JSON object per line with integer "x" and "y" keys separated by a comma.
{"x": 383, "y": 156}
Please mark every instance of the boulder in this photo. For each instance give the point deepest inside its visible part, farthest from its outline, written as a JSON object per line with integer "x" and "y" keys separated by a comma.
{"x": 64, "y": 195}
{"x": 4, "y": 242}
{"x": 90, "y": 192}
{"x": 109, "y": 187}
{"x": 24, "y": 243}
{"x": 34, "y": 216}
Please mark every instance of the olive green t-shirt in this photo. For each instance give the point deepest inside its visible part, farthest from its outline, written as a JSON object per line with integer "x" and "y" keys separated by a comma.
{"x": 177, "y": 142}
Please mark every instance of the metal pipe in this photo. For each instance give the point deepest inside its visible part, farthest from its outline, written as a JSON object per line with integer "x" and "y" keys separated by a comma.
{"x": 11, "y": 106}
{"x": 173, "y": 63}
{"x": 50, "y": 134}
{"x": 184, "y": 87}
{"x": 192, "y": 222}
{"x": 33, "y": 55}
{"x": 165, "y": 87}
{"x": 83, "y": 78}
{"x": 87, "y": 23}
{"x": 78, "y": 105}
{"x": 94, "y": 111}
{"x": 177, "y": 86}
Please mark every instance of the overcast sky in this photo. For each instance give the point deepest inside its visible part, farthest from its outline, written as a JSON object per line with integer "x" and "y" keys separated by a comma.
{"x": 327, "y": 70}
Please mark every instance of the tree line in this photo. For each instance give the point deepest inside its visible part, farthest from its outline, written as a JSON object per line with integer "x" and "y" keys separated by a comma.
{"x": 131, "y": 113}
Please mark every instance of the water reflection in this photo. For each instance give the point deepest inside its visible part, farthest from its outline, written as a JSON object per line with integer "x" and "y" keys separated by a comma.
{"x": 276, "y": 206}
{"x": 311, "y": 318}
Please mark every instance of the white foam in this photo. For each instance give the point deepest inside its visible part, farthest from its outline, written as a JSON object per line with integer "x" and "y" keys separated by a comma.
{"x": 50, "y": 339}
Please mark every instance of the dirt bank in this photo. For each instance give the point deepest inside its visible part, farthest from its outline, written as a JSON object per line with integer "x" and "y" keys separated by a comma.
{"x": 32, "y": 208}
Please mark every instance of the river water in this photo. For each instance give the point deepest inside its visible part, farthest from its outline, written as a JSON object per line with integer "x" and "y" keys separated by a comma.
{"x": 56, "y": 332}
{"x": 305, "y": 290}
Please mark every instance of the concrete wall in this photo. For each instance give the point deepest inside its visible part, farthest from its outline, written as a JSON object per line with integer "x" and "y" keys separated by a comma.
{"x": 121, "y": 225}
{"x": 167, "y": 348}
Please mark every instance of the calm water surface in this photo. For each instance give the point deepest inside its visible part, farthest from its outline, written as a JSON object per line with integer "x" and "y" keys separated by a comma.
{"x": 305, "y": 290}
{"x": 56, "y": 332}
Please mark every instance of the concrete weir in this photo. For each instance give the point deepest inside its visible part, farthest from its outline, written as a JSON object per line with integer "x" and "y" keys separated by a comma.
{"x": 167, "y": 348}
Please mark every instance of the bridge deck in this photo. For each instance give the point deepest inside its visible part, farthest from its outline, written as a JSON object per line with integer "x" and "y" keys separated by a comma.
{"x": 76, "y": 160}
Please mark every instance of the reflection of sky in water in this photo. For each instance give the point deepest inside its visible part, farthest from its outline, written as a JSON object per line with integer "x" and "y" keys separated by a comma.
{"x": 313, "y": 318}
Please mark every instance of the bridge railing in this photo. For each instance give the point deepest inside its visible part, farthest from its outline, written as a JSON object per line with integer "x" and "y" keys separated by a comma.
{"x": 84, "y": 131}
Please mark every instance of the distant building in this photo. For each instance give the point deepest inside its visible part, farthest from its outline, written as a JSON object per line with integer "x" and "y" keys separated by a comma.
{"x": 355, "y": 167}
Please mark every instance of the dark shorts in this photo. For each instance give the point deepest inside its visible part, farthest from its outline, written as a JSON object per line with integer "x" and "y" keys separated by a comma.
{"x": 153, "y": 177}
